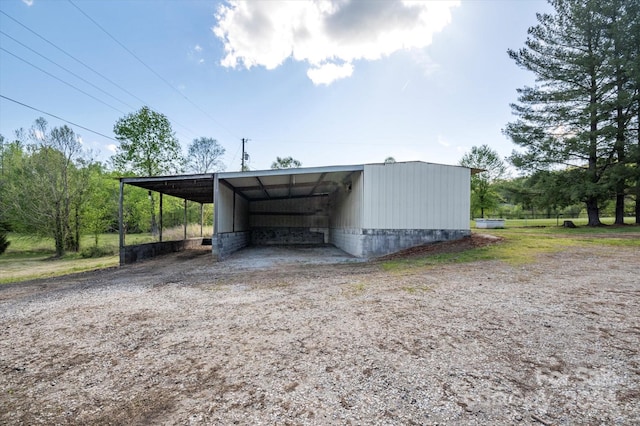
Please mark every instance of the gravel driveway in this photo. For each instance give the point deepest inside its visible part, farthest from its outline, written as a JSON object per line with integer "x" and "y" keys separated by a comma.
{"x": 182, "y": 340}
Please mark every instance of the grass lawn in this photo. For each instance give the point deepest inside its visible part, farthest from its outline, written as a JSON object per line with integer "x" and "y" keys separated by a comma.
{"x": 29, "y": 257}
{"x": 522, "y": 243}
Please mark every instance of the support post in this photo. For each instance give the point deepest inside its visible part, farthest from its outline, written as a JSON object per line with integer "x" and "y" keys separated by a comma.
{"x": 121, "y": 224}
{"x": 185, "y": 219}
{"x": 214, "y": 236}
{"x": 160, "y": 230}
{"x": 201, "y": 219}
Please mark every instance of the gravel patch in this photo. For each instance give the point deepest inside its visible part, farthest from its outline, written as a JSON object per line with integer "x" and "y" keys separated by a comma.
{"x": 183, "y": 340}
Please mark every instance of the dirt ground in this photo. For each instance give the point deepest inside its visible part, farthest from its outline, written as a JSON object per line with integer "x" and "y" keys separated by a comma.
{"x": 182, "y": 340}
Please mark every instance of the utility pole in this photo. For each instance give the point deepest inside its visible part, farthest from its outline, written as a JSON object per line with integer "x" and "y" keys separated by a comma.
{"x": 245, "y": 156}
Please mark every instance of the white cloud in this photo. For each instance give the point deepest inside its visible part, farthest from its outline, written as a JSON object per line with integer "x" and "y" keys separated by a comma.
{"x": 80, "y": 140}
{"x": 328, "y": 73}
{"x": 329, "y": 35}
{"x": 28, "y": 2}
{"x": 195, "y": 54}
{"x": 112, "y": 147}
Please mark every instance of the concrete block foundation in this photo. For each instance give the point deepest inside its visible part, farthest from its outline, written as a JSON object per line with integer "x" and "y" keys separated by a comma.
{"x": 370, "y": 243}
{"x": 132, "y": 254}
{"x": 266, "y": 236}
{"x": 380, "y": 242}
{"x": 228, "y": 242}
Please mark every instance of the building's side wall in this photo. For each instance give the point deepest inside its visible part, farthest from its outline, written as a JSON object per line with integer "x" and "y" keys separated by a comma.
{"x": 290, "y": 221}
{"x": 410, "y": 204}
{"x": 345, "y": 223}
{"x": 416, "y": 196}
{"x": 232, "y": 217}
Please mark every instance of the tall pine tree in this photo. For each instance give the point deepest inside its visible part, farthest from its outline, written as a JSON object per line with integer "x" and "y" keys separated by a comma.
{"x": 575, "y": 117}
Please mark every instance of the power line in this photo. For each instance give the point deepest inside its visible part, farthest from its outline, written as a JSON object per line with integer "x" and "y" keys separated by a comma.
{"x": 67, "y": 70}
{"x": 59, "y": 118}
{"x": 73, "y": 57}
{"x": 149, "y": 68}
{"x": 90, "y": 68}
{"x": 61, "y": 80}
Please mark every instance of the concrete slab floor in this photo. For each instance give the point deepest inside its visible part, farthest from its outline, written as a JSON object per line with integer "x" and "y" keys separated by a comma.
{"x": 263, "y": 257}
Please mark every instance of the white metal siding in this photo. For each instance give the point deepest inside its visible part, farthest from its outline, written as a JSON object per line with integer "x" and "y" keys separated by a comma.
{"x": 242, "y": 214}
{"x": 347, "y": 205}
{"x": 416, "y": 196}
{"x": 226, "y": 211}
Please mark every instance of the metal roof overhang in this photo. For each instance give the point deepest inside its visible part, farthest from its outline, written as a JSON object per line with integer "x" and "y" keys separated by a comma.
{"x": 252, "y": 185}
{"x": 288, "y": 183}
{"x": 198, "y": 188}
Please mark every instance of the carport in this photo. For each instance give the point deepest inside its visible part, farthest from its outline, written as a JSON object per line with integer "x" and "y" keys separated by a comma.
{"x": 268, "y": 207}
{"x": 365, "y": 210}
{"x": 196, "y": 188}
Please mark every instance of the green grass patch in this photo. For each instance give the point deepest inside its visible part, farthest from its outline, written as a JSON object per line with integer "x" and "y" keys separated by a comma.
{"x": 524, "y": 245}
{"x": 22, "y": 268}
{"x": 557, "y": 222}
{"x": 413, "y": 289}
{"x": 31, "y": 257}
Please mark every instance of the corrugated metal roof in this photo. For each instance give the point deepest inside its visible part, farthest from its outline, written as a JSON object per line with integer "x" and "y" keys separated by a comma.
{"x": 198, "y": 188}
{"x": 252, "y": 185}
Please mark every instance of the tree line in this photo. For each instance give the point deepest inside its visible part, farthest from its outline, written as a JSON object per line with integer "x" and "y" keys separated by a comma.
{"x": 577, "y": 128}
{"x": 50, "y": 186}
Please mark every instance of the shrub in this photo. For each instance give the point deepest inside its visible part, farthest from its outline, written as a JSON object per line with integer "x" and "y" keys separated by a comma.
{"x": 4, "y": 241}
{"x": 95, "y": 251}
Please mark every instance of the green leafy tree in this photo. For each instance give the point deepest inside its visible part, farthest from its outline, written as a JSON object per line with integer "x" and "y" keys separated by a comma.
{"x": 12, "y": 156}
{"x": 204, "y": 156}
{"x": 483, "y": 194}
{"x": 4, "y": 227}
{"x": 44, "y": 188}
{"x": 285, "y": 163}
{"x": 148, "y": 147}
{"x": 100, "y": 212}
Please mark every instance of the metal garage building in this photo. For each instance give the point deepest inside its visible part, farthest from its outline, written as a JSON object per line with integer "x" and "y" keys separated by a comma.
{"x": 366, "y": 210}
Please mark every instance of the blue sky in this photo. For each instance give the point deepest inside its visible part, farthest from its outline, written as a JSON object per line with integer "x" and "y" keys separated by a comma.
{"x": 327, "y": 82}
